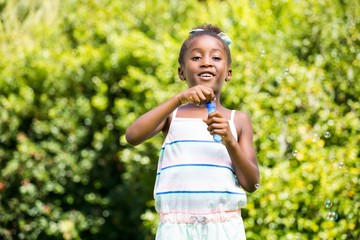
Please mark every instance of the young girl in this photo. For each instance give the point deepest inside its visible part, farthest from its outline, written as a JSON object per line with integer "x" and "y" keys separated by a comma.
{"x": 200, "y": 183}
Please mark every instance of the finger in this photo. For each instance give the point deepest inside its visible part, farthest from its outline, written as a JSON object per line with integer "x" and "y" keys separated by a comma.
{"x": 219, "y": 131}
{"x": 217, "y": 115}
{"x": 207, "y": 93}
{"x": 201, "y": 97}
{"x": 209, "y": 96}
{"x": 215, "y": 125}
{"x": 195, "y": 99}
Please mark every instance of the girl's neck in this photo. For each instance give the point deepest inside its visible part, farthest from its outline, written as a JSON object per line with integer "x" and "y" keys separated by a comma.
{"x": 191, "y": 110}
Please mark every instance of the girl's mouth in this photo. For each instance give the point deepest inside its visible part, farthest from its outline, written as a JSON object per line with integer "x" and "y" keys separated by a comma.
{"x": 206, "y": 75}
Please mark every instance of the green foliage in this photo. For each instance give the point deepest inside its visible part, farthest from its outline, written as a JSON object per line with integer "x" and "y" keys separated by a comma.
{"x": 75, "y": 74}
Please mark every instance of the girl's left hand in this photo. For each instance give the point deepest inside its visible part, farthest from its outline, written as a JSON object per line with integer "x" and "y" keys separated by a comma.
{"x": 217, "y": 124}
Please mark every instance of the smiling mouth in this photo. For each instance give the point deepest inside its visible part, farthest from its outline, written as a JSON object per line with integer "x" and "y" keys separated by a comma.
{"x": 206, "y": 75}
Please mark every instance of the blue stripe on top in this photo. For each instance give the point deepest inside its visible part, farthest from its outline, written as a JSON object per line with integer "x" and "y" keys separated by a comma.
{"x": 198, "y": 165}
{"x": 174, "y": 192}
{"x": 180, "y": 141}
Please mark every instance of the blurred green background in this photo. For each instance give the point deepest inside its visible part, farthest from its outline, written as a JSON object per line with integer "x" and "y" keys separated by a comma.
{"x": 75, "y": 74}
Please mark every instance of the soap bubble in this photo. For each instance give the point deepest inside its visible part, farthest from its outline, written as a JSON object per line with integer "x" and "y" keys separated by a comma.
{"x": 294, "y": 152}
{"x": 257, "y": 186}
{"x": 327, "y": 134}
{"x": 286, "y": 71}
{"x": 315, "y": 137}
{"x": 341, "y": 165}
{"x": 332, "y": 156}
{"x": 332, "y": 216}
{"x": 262, "y": 53}
{"x": 328, "y": 203}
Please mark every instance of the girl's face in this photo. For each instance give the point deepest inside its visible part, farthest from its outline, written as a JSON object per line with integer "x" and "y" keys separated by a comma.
{"x": 205, "y": 63}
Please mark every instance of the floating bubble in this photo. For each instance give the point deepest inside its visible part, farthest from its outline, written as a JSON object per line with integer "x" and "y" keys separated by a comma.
{"x": 327, "y": 134}
{"x": 332, "y": 216}
{"x": 294, "y": 152}
{"x": 257, "y": 186}
{"x": 328, "y": 203}
{"x": 286, "y": 71}
{"x": 87, "y": 121}
{"x": 341, "y": 165}
{"x": 262, "y": 53}
{"x": 332, "y": 156}
{"x": 315, "y": 137}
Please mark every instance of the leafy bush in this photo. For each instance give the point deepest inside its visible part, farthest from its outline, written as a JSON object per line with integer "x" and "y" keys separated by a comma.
{"x": 74, "y": 75}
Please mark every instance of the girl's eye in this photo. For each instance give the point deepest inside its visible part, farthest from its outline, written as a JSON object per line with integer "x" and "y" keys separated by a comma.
{"x": 217, "y": 58}
{"x": 195, "y": 58}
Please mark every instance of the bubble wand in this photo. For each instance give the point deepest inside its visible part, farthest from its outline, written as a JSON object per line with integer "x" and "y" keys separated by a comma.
{"x": 211, "y": 107}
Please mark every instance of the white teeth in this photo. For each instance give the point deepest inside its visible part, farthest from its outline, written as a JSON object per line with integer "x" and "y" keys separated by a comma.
{"x": 206, "y": 75}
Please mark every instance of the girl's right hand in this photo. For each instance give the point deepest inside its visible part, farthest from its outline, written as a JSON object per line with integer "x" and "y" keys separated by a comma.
{"x": 198, "y": 95}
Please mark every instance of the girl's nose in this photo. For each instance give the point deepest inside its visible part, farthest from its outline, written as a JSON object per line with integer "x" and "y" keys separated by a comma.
{"x": 206, "y": 62}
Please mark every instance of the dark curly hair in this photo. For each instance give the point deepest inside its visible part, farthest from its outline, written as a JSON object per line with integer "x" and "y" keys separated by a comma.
{"x": 210, "y": 30}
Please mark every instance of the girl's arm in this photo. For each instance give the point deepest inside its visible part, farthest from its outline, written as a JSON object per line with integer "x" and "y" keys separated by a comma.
{"x": 154, "y": 121}
{"x": 241, "y": 152}
{"x": 151, "y": 122}
{"x": 243, "y": 156}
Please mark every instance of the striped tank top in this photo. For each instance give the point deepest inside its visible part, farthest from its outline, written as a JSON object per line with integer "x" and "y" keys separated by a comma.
{"x": 195, "y": 173}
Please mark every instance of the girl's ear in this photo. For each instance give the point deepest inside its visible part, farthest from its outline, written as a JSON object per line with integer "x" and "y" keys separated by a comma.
{"x": 181, "y": 73}
{"x": 229, "y": 75}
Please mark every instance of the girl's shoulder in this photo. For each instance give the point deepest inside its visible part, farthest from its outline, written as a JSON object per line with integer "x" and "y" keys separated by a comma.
{"x": 236, "y": 115}
{"x": 242, "y": 121}
{"x": 242, "y": 115}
